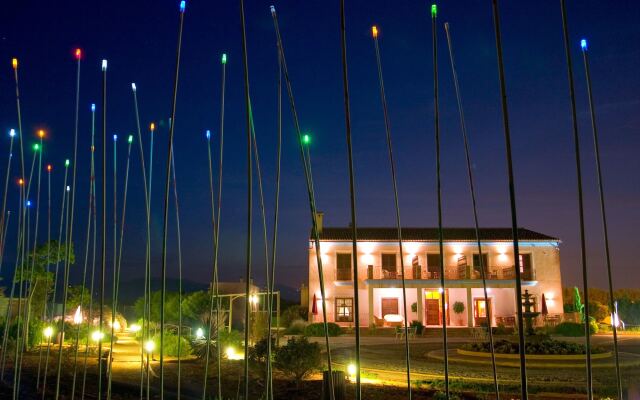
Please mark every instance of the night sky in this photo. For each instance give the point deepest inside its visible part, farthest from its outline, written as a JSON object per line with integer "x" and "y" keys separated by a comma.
{"x": 139, "y": 38}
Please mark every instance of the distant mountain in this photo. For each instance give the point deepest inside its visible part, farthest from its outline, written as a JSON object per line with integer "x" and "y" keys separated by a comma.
{"x": 133, "y": 289}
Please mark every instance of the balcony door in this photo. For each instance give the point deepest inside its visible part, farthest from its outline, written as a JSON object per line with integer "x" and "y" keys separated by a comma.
{"x": 389, "y": 267}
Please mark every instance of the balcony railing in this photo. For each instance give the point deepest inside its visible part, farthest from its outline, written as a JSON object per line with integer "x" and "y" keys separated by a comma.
{"x": 457, "y": 272}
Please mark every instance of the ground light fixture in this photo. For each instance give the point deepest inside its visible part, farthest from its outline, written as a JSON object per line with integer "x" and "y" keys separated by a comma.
{"x": 149, "y": 346}
{"x": 97, "y": 336}
{"x": 199, "y": 333}
{"x": 48, "y": 332}
{"x": 232, "y": 354}
{"x": 352, "y": 370}
{"x": 134, "y": 328}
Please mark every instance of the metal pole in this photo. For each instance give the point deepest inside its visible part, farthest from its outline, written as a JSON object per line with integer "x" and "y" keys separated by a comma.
{"x": 512, "y": 202}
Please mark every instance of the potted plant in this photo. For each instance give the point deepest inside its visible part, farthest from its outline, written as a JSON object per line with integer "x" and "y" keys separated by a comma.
{"x": 458, "y": 308}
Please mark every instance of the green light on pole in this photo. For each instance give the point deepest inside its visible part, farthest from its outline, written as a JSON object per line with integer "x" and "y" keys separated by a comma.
{"x": 67, "y": 162}
{"x": 224, "y": 58}
{"x": 130, "y": 139}
{"x": 306, "y": 139}
{"x": 434, "y": 10}
{"x": 36, "y": 147}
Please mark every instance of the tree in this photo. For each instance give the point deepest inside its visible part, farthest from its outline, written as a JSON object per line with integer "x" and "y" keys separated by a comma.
{"x": 298, "y": 358}
{"x": 37, "y": 273}
{"x": 170, "y": 311}
{"x": 195, "y": 306}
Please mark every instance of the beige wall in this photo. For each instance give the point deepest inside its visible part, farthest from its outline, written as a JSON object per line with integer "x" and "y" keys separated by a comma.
{"x": 545, "y": 261}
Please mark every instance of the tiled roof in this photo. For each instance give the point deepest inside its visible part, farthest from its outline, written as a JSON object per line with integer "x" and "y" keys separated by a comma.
{"x": 431, "y": 234}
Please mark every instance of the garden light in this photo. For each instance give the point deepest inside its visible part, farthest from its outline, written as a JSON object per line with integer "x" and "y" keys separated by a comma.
{"x": 48, "y": 332}
{"x": 231, "y": 354}
{"x": 583, "y": 44}
{"x": 134, "y": 328}
{"x": 306, "y": 139}
{"x": 253, "y": 299}
{"x": 351, "y": 370}
{"x": 149, "y": 346}
{"x": 199, "y": 333}
{"x": 41, "y": 133}
{"x": 97, "y": 336}
{"x": 12, "y": 133}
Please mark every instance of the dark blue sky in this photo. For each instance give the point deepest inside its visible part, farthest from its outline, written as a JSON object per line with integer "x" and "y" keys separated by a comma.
{"x": 138, "y": 38}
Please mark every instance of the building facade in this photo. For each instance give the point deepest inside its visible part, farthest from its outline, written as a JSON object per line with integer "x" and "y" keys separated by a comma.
{"x": 380, "y": 285}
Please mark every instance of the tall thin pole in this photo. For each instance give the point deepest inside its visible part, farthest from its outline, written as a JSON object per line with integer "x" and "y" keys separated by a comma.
{"x": 147, "y": 188}
{"x": 352, "y": 195}
{"x": 436, "y": 114}
{"x": 311, "y": 198}
{"x": 472, "y": 192}
{"x": 215, "y": 224}
{"x": 44, "y": 300}
{"x": 179, "y": 240}
{"x": 245, "y": 63}
{"x": 12, "y": 135}
{"x": 55, "y": 275}
{"x": 117, "y": 251}
{"x": 387, "y": 127}
{"x": 93, "y": 226}
{"x": 103, "y": 255}
{"x": 512, "y": 201}
{"x": 596, "y": 147}
{"x": 69, "y": 243}
{"x": 165, "y": 223}
{"x": 32, "y": 285}
{"x": 85, "y": 265}
{"x": 269, "y": 388}
{"x": 583, "y": 251}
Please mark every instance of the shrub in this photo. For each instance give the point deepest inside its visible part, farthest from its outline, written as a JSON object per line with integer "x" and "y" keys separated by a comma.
{"x": 298, "y": 358}
{"x": 292, "y": 314}
{"x": 575, "y": 329}
{"x": 317, "y": 329}
{"x": 297, "y": 327}
{"x": 170, "y": 345}
{"x": 418, "y": 325}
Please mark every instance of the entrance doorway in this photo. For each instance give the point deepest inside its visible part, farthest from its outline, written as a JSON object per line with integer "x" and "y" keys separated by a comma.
{"x": 481, "y": 311}
{"x": 389, "y": 306}
{"x": 433, "y": 307}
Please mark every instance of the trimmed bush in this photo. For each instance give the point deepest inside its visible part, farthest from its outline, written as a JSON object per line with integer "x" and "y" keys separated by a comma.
{"x": 574, "y": 329}
{"x": 317, "y": 329}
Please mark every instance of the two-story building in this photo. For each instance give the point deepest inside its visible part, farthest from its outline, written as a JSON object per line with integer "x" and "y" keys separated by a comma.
{"x": 380, "y": 285}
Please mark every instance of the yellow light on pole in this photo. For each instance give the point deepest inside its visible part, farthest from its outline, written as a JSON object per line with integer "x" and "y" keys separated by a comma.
{"x": 253, "y": 299}
{"x": 47, "y": 332}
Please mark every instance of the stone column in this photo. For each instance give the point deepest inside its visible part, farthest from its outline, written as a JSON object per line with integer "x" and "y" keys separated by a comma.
{"x": 420, "y": 302}
{"x": 469, "y": 308}
{"x": 370, "y": 292}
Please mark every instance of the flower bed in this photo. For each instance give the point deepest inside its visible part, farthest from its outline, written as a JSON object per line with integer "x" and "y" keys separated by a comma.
{"x": 543, "y": 347}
